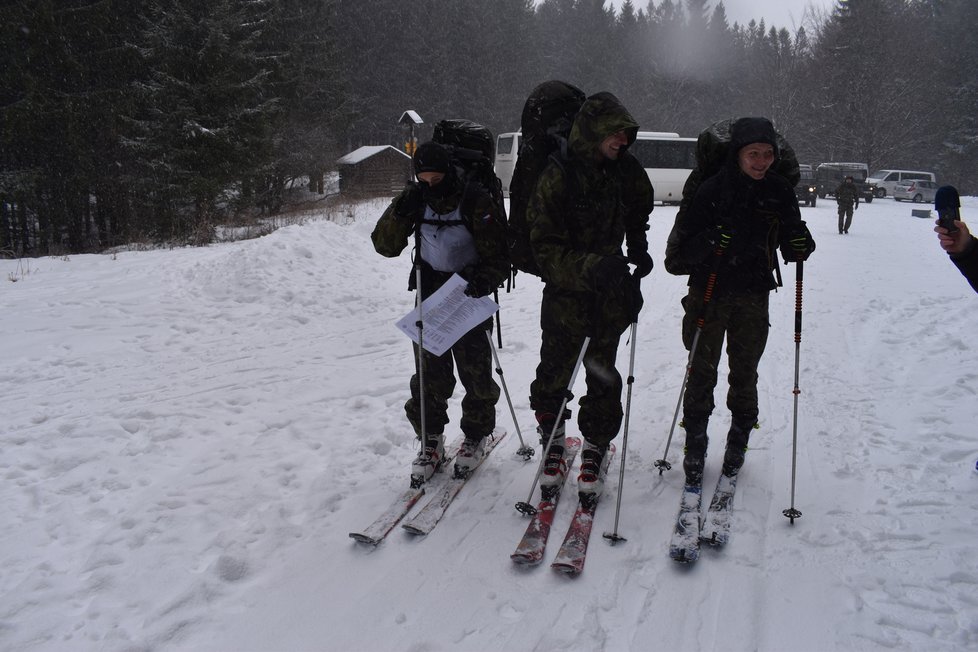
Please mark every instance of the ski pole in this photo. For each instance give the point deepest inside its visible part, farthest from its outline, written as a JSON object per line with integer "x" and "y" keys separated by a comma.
{"x": 526, "y": 452}
{"x": 791, "y": 512}
{"x": 663, "y": 464}
{"x": 614, "y": 537}
{"x": 415, "y": 482}
{"x": 525, "y": 507}
{"x": 499, "y": 321}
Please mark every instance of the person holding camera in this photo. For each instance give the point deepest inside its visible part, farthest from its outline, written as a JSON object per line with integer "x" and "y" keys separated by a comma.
{"x": 954, "y": 236}
{"x": 458, "y": 228}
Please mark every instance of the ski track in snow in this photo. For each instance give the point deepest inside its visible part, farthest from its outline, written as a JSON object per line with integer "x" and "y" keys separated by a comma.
{"x": 190, "y": 434}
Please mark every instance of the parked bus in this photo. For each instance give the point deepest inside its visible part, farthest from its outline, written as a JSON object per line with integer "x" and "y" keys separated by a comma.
{"x": 667, "y": 159}
{"x": 507, "y": 149}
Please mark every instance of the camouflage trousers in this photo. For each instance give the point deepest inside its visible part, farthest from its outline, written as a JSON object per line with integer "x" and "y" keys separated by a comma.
{"x": 565, "y": 324}
{"x": 845, "y": 217}
{"x": 473, "y": 359}
{"x": 743, "y": 319}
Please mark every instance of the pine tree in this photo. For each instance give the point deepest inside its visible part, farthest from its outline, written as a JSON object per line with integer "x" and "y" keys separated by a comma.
{"x": 203, "y": 111}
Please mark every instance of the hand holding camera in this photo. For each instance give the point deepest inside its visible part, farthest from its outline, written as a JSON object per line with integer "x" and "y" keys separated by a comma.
{"x": 947, "y": 202}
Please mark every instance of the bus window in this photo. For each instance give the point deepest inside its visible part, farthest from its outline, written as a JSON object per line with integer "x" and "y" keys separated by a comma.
{"x": 507, "y": 150}
{"x": 668, "y": 162}
{"x": 505, "y": 144}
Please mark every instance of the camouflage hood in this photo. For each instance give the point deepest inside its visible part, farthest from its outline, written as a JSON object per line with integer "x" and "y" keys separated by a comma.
{"x": 602, "y": 115}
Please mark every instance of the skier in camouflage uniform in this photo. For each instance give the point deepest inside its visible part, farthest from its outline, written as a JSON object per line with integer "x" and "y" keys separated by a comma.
{"x": 461, "y": 230}
{"x": 847, "y": 197}
{"x": 584, "y": 208}
{"x": 735, "y": 223}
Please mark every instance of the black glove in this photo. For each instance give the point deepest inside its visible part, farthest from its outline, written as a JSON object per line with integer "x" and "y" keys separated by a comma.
{"x": 722, "y": 235}
{"x": 634, "y": 298}
{"x": 478, "y": 285}
{"x": 410, "y": 203}
{"x": 799, "y": 246}
{"x": 609, "y": 272}
{"x": 642, "y": 261}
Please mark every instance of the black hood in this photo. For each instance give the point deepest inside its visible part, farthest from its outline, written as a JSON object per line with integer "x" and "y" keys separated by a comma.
{"x": 745, "y": 131}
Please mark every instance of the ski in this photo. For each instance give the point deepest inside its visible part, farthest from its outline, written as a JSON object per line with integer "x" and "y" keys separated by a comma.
{"x": 685, "y": 544}
{"x": 532, "y": 546}
{"x": 374, "y": 533}
{"x": 427, "y": 518}
{"x": 716, "y": 529}
{"x": 377, "y": 531}
{"x": 573, "y": 552}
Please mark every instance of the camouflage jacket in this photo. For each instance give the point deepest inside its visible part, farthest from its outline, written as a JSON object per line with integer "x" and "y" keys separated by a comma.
{"x": 847, "y": 194}
{"x": 481, "y": 215}
{"x": 585, "y": 208}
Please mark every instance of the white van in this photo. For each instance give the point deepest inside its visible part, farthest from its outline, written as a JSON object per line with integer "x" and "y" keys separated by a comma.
{"x": 667, "y": 159}
{"x": 886, "y": 180}
{"x": 507, "y": 150}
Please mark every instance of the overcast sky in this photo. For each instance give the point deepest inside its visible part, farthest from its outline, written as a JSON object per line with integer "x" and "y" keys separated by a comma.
{"x": 780, "y": 13}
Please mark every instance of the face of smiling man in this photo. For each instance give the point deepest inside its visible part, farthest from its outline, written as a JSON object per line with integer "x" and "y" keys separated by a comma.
{"x": 755, "y": 159}
{"x": 611, "y": 146}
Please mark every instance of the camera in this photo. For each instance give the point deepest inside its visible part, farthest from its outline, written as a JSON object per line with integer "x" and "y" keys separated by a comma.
{"x": 947, "y": 202}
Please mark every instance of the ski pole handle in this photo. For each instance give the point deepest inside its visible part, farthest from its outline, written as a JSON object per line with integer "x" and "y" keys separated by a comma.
{"x": 800, "y": 273}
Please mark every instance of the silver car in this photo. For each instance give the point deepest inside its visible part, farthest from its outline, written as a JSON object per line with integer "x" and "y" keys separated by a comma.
{"x": 915, "y": 190}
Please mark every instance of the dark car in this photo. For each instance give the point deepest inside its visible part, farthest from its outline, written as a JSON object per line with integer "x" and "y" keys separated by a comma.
{"x": 828, "y": 177}
{"x": 805, "y": 191}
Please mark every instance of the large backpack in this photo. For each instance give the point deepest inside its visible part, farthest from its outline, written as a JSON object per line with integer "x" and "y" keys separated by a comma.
{"x": 545, "y": 125}
{"x": 473, "y": 151}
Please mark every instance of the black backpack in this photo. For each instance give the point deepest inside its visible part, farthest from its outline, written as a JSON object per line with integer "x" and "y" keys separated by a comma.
{"x": 545, "y": 125}
{"x": 473, "y": 151}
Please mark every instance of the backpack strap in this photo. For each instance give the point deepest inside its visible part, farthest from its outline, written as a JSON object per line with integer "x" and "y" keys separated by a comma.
{"x": 465, "y": 205}
{"x": 566, "y": 165}
{"x": 572, "y": 188}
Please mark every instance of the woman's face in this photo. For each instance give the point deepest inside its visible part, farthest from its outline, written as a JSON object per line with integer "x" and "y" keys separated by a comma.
{"x": 755, "y": 159}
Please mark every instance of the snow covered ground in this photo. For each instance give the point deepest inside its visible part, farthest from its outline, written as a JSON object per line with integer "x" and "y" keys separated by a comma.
{"x": 188, "y": 436}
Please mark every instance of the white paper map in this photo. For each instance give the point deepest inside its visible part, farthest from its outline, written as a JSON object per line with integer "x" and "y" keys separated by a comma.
{"x": 447, "y": 315}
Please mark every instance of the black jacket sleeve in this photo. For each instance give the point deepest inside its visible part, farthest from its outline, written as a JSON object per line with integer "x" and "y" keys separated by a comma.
{"x": 967, "y": 262}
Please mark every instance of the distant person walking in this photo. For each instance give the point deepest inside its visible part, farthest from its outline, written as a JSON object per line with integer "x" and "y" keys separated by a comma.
{"x": 847, "y": 197}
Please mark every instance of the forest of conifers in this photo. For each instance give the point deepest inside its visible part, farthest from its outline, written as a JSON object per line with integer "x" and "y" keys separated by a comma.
{"x": 155, "y": 120}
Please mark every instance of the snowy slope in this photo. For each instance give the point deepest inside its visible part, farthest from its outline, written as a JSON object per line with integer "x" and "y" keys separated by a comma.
{"x": 189, "y": 435}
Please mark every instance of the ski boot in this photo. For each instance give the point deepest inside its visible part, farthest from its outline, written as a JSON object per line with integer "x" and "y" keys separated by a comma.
{"x": 554, "y": 467}
{"x": 695, "y": 450}
{"x": 733, "y": 456}
{"x": 590, "y": 481}
{"x": 469, "y": 455}
{"x": 428, "y": 460}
